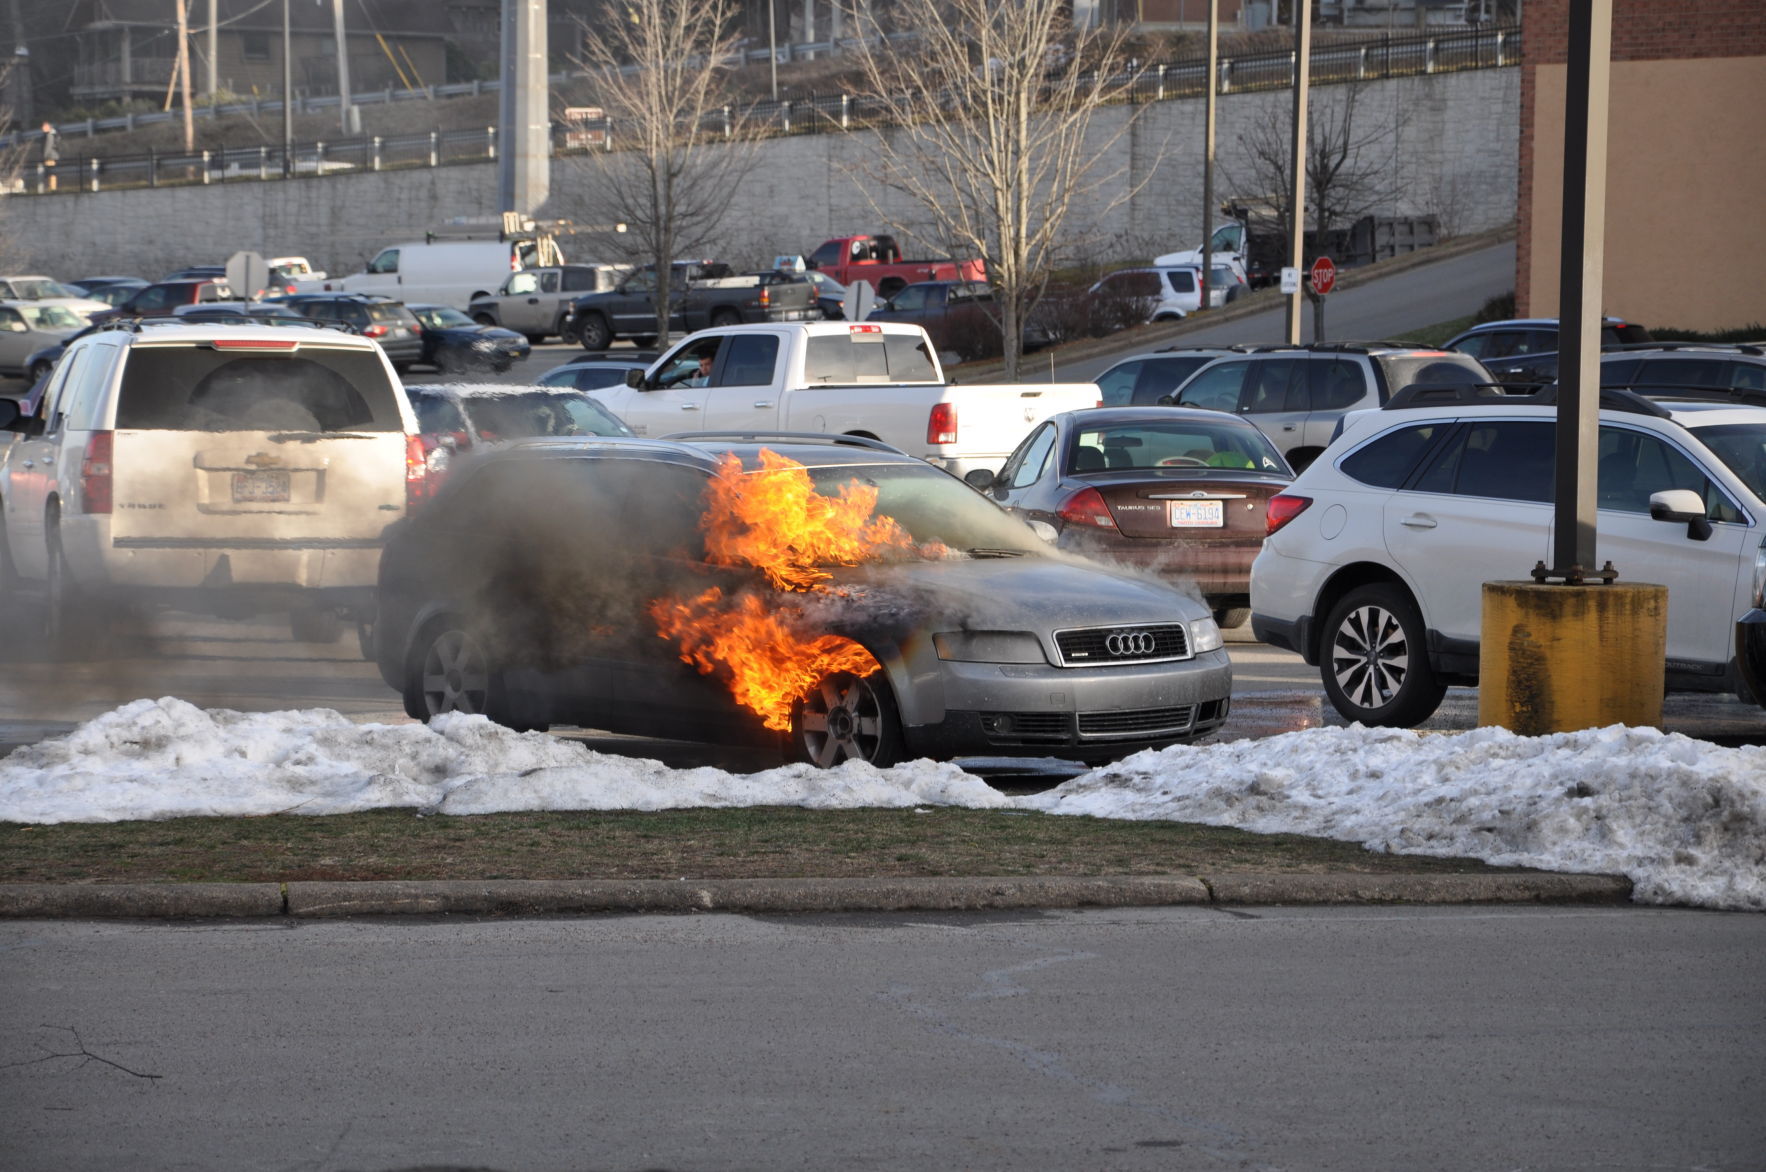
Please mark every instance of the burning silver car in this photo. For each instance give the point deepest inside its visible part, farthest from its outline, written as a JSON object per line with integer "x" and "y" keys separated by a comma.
{"x": 857, "y": 602}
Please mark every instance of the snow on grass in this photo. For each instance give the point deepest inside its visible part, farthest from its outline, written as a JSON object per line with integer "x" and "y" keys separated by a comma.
{"x": 1683, "y": 819}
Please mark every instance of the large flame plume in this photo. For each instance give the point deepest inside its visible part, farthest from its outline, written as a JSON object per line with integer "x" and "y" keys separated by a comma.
{"x": 775, "y": 521}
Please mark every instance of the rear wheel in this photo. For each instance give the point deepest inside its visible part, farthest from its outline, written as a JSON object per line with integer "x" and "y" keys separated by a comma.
{"x": 848, "y": 718}
{"x": 594, "y": 333}
{"x": 1374, "y": 661}
{"x": 1228, "y": 617}
{"x": 726, "y": 317}
{"x": 72, "y": 625}
{"x": 568, "y": 333}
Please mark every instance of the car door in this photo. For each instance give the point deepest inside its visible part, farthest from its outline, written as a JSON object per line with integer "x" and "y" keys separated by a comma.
{"x": 1217, "y": 387}
{"x": 672, "y": 403}
{"x": 1274, "y": 398}
{"x": 32, "y": 472}
{"x": 632, "y": 307}
{"x": 745, "y": 384}
{"x": 16, "y": 339}
{"x": 1702, "y": 577}
{"x": 1478, "y": 509}
{"x": 520, "y": 303}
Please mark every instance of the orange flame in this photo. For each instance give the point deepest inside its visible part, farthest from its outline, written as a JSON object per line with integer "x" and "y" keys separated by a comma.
{"x": 770, "y": 665}
{"x": 776, "y": 521}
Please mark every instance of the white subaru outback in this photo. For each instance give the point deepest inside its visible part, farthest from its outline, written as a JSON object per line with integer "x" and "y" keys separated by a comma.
{"x": 1376, "y": 555}
{"x": 230, "y": 467}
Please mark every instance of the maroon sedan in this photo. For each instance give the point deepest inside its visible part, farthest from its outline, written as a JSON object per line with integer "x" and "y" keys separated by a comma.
{"x": 1172, "y": 489}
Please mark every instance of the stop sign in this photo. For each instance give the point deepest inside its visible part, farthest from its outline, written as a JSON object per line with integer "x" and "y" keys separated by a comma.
{"x": 1324, "y": 275}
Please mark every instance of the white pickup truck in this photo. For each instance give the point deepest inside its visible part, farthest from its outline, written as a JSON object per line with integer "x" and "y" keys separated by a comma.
{"x": 875, "y": 379}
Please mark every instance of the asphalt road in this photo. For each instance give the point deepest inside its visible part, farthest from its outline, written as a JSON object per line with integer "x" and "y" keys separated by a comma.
{"x": 1331, "y": 1038}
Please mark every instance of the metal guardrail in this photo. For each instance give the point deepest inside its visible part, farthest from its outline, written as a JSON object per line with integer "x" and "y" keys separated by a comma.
{"x": 1374, "y": 59}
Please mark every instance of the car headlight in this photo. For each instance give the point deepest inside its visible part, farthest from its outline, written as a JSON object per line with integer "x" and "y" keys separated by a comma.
{"x": 1760, "y": 575}
{"x": 484, "y": 343}
{"x": 989, "y": 647}
{"x": 1204, "y": 635}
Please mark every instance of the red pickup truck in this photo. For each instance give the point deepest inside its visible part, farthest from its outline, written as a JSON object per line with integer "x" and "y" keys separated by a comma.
{"x": 877, "y": 260}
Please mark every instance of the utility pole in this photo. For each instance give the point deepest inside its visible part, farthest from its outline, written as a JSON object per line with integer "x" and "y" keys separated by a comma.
{"x": 1297, "y": 194}
{"x": 287, "y": 96}
{"x": 343, "y": 66}
{"x": 1208, "y": 153}
{"x": 524, "y": 154}
{"x": 183, "y": 68}
{"x": 214, "y": 43}
{"x": 772, "y": 47}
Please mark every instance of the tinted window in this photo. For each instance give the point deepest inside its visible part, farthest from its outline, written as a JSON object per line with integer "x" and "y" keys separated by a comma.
{"x": 836, "y": 359}
{"x": 1502, "y": 460}
{"x": 827, "y": 254}
{"x": 1477, "y": 345}
{"x": 549, "y": 281}
{"x": 189, "y": 389}
{"x": 1388, "y": 460}
{"x": 1182, "y": 280}
{"x": 1680, "y": 372}
{"x": 1741, "y": 446}
{"x": 1216, "y": 387}
{"x": 1272, "y": 386}
{"x": 1437, "y": 368}
{"x": 578, "y": 280}
{"x": 1620, "y": 373}
{"x": 586, "y": 378}
{"x": 749, "y": 360}
{"x": 436, "y": 413}
{"x": 386, "y": 262}
{"x": 1634, "y": 464}
{"x": 1335, "y": 385}
{"x": 1161, "y": 376}
{"x": 392, "y": 314}
{"x": 913, "y": 297}
{"x": 1117, "y": 383}
{"x": 1036, "y": 457}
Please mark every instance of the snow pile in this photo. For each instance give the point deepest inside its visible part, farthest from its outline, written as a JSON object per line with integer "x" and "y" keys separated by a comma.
{"x": 169, "y": 759}
{"x": 1685, "y": 820}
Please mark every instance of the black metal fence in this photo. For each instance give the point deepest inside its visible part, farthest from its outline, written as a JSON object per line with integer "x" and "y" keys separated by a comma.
{"x": 1373, "y": 59}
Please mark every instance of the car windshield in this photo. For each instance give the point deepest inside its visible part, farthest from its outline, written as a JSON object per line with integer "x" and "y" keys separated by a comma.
{"x": 440, "y": 317}
{"x": 825, "y": 285}
{"x": 1179, "y": 445}
{"x": 934, "y": 507}
{"x": 51, "y": 317}
{"x": 37, "y": 288}
{"x": 519, "y": 414}
{"x": 1742, "y": 447}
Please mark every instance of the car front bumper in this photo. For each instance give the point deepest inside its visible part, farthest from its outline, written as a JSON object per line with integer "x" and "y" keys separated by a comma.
{"x": 1085, "y": 713}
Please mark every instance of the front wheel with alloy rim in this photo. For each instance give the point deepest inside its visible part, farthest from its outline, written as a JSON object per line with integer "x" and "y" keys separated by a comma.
{"x": 1374, "y": 659}
{"x": 848, "y": 718}
{"x": 452, "y": 672}
{"x": 594, "y": 333}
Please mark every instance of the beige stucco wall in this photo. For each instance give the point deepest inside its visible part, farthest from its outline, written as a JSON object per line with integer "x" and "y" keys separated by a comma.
{"x": 1686, "y": 192}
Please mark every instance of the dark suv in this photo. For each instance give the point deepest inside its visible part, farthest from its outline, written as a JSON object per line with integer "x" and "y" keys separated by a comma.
{"x": 1526, "y": 349}
{"x": 387, "y": 321}
{"x": 1662, "y": 367}
{"x": 1296, "y": 394}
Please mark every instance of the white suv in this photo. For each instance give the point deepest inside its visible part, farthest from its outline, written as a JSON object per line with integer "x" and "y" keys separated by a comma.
{"x": 230, "y": 467}
{"x": 1376, "y": 555}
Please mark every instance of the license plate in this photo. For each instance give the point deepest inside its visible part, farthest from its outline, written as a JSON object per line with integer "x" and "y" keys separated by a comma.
{"x": 260, "y": 488}
{"x": 1196, "y": 514}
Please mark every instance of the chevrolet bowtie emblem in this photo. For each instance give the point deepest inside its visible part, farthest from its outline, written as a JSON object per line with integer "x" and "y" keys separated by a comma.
{"x": 263, "y": 460}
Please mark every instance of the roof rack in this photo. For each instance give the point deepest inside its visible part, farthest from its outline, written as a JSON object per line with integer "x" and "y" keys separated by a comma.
{"x": 1753, "y": 348}
{"x": 796, "y": 437}
{"x": 1507, "y": 395}
{"x": 1746, "y": 396}
{"x": 1338, "y": 347}
{"x": 133, "y": 324}
{"x": 1235, "y": 347}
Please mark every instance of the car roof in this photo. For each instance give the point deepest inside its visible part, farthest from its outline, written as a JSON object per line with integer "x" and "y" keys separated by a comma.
{"x": 1179, "y": 352}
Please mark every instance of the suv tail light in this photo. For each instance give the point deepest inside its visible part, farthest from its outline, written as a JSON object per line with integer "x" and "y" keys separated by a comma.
{"x": 941, "y": 424}
{"x": 95, "y": 473}
{"x": 417, "y": 483}
{"x": 1087, "y": 507}
{"x": 1282, "y": 508}
{"x": 374, "y": 332}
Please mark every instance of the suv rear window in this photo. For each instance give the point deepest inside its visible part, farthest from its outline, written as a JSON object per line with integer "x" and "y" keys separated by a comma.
{"x": 395, "y": 314}
{"x": 1436, "y": 368}
{"x": 189, "y": 388}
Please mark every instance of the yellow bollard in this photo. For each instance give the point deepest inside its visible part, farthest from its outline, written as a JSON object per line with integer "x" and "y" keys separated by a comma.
{"x": 1561, "y": 658}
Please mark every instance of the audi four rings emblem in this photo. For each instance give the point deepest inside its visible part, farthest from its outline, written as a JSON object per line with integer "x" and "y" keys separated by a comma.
{"x": 1122, "y": 643}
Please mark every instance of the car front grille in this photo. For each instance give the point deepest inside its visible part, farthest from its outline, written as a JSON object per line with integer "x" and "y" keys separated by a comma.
{"x": 1136, "y": 722}
{"x": 1110, "y": 645}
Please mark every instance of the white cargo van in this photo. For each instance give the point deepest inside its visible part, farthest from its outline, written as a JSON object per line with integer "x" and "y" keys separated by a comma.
{"x": 448, "y": 272}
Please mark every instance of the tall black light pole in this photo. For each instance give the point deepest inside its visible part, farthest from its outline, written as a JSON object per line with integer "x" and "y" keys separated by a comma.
{"x": 287, "y": 95}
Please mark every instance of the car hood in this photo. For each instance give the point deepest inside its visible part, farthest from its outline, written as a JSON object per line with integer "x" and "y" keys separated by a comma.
{"x": 1035, "y": 593}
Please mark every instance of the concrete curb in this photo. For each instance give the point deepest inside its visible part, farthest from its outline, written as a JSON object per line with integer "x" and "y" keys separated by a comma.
{"x": 520, "y": 897}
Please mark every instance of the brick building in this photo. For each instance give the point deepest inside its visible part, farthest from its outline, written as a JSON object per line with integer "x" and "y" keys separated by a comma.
{"x": 1686, "y": 162}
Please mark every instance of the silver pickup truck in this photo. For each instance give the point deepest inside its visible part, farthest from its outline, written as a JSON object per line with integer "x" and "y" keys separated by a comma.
{"x": 537, "y": 301}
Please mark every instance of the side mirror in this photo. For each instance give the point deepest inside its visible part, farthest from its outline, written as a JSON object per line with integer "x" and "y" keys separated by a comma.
{"x": 1681, "y": 505}
{"x": 1169, "y": 399}
{"x": 634, "y": 379}
{"x": 981, "y": 479}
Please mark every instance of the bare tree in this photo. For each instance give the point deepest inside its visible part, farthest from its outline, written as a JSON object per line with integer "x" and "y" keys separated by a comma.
{"x": 1351, "y": 163}
{"x": 993, "y": 138}
{"x": 660, "y": 72}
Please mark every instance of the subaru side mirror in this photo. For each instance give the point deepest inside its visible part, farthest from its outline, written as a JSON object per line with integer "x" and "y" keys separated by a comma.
{"x": 1681, "y": 504}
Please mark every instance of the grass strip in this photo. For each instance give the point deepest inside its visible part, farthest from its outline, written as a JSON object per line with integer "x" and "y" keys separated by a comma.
{"x": 761, "y": 842}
